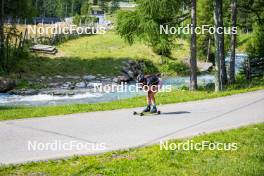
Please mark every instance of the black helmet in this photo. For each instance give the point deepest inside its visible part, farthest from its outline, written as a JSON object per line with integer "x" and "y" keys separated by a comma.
{"x": 140, "y": 78}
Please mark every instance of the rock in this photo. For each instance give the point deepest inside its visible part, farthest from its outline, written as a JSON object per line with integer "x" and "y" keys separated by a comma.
{"x": 91, "y": 85}
{"x": 71, "y": 93}
{"x": 66, "y": 85}
{"x": 43, "y": 77}
{"x": 53, "y": 84}
{"x": 6, "y": 84}
{"x": 80, "y": 85}
{"x": 125, "y": 68}
{"x": 107, "y": 79}
{"x": 115, "y": 80}
{"x": 132, "y": 68}
{"x": 24, "y": 92}
{"x": 130, "y": 74}
{"x": 131, "y": 62}
{"x": 89, "y": 77}
{"x": 73, "y": 77}
{"x": 58, "y": 76}
{"x": 120, "y": 79}
{"x": 59, "y": 93}
{"x": 204, "y": 66}
{"x": 31, "y": 92}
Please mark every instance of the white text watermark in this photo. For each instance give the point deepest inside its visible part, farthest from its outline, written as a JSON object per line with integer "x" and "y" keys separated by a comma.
{"x": 58, "y": 145}
{"x": 191, "y": 145}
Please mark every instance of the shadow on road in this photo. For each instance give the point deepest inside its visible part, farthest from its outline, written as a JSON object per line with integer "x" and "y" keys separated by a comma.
{"x": 177, "y": 112}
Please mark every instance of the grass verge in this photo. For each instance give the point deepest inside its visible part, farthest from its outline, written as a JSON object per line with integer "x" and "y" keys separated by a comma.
{"x": 248, "y": 159}
{"x": 10, "y": 113}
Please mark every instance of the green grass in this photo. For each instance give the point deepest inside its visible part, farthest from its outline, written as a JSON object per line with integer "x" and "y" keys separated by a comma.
{"x": 101, "y": 54}
{"x": 104, "y": 54}
{"x": 247, "y": 160}
{"x": 112, "y": 45}
{"x": 243, "y": 38}
{"x": 176, "y": 96}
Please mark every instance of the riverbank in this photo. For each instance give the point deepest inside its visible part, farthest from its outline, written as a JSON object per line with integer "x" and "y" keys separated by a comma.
{"x": 176, "y": 96}
{"x": 99, "y": 54}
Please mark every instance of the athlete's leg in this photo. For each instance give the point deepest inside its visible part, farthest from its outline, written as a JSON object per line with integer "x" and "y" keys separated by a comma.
{"x": 147, "y": 109}
{"x": 153, "y": 100}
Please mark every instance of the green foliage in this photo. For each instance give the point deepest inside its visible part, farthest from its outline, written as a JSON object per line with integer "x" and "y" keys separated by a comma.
{"x": 172, "y": 67}
{"x": 81, "y": 19}
{"x": 13, "y": 52}
{"x": 86, "y": 9}
{"x": 19, "y": 8}
{"x": 256, "y": 43}
{"x": 144, "y": 23}
{"x": 149, "y": 67}
{"x": 60, "y": 8}
{"x": 127, "y": 25}
{"x": 85, "y": 16}
{"x": 205, "y": 16}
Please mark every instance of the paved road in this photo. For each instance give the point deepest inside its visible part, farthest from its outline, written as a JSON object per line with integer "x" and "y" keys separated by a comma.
{"x": 97, "y": 132}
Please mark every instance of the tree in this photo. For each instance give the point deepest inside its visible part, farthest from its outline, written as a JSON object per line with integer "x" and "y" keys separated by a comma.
{"x": 86, "y": 9}
{"x": 204, "y": 17}
{"x": 233, "y": 43}
{"x": 221, "y": 77}
{"x": 145, "y": 21}
{"x": 11, "y": 9}
{"x": 193, "y": 62}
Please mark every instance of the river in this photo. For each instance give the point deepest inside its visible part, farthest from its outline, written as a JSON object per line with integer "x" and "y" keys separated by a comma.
{"x": 87, "y": 96}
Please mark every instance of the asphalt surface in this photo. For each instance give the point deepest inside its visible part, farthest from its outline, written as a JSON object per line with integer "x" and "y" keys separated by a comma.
{"x": 95, "y": 132}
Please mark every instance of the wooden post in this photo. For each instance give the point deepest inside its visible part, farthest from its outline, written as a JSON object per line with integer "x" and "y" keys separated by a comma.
{"x": 2, "y": 36}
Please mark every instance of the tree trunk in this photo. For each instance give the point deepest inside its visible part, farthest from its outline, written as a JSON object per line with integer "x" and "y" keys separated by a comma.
{"x": 2, "y": 36}
{"x": 233, "y": 43}
{"x": 193, "y": 62}
{"x": 221, "y": 76}
{"x": 208, "y": 49}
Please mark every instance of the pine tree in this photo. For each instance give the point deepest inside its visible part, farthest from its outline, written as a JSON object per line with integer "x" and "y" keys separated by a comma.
{"x": 233, "y": 43}
{"x": 193, "y": 62}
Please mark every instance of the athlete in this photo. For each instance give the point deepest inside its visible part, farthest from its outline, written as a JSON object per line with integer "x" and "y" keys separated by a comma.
{"x": 151, "y": 84}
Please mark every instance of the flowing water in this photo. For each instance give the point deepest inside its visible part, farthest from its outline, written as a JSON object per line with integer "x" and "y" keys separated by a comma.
{"x": 88, "y": 96}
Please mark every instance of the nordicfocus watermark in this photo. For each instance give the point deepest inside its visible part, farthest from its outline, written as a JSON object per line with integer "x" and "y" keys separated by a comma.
{"x": 204, "y": 145}
{"x": 66, "y": 30}
{"x": 133, "y": 88}
{"x": 58, "y": 145}
{"x": 204, "y": 29}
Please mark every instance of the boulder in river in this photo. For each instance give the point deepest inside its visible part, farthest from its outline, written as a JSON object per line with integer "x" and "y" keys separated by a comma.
{"x": 89, "y": 77}
{"x": 132, "y": 68}
{"x": 80, "y": 85}
{"x": 6, "y": 84}
{"x": 122, "y": 78}
{"x": 24, "y": 92}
